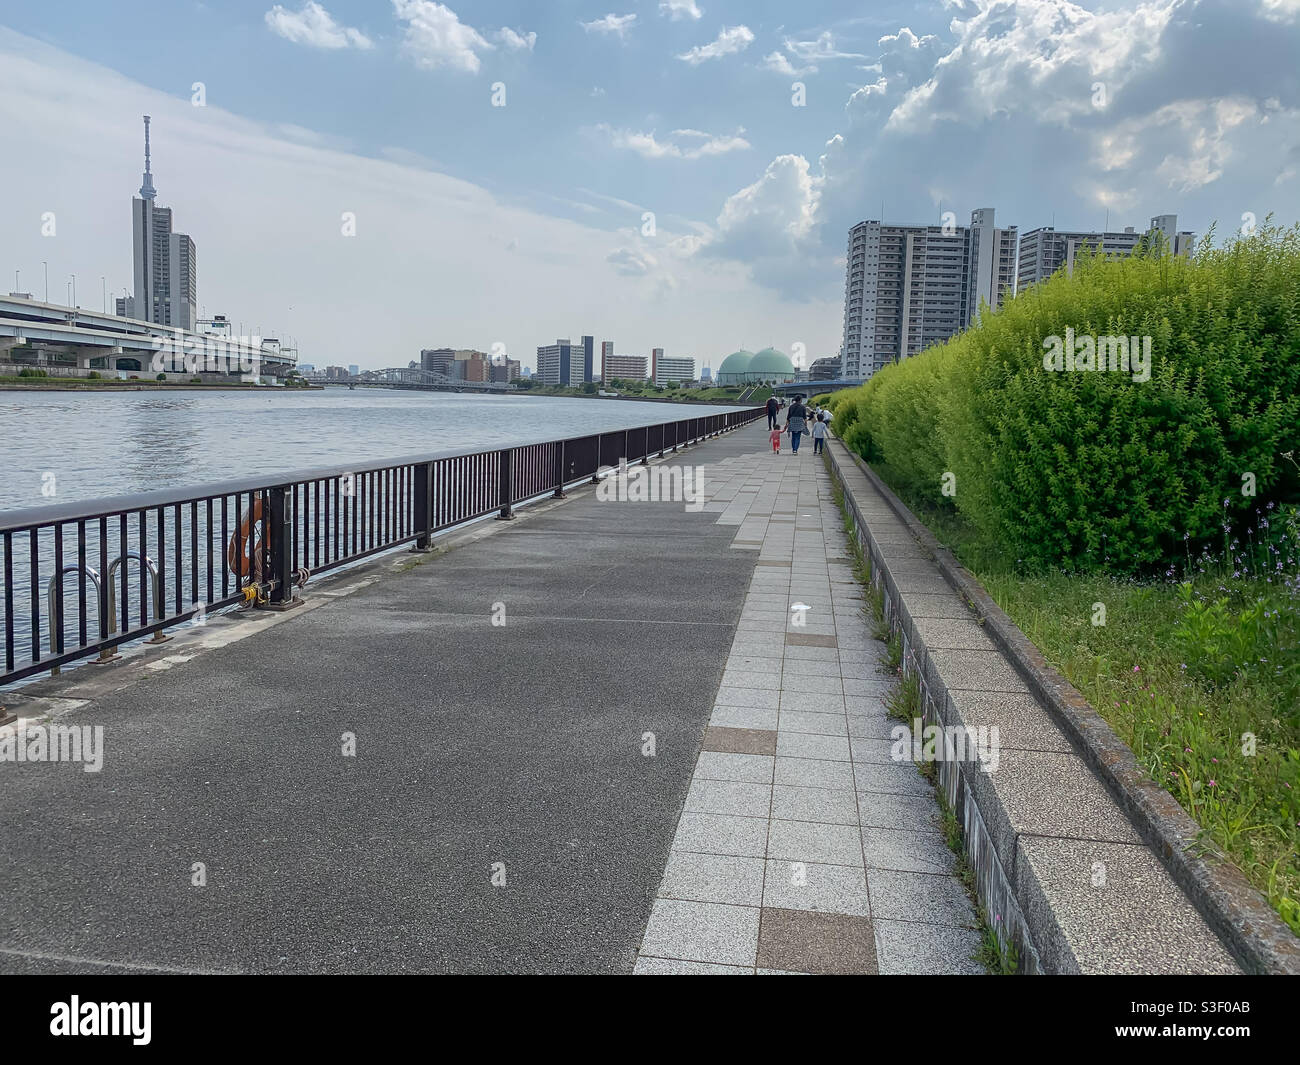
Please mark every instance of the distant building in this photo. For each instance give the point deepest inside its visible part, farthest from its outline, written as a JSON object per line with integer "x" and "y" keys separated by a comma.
{"x": 627, "y": 367}
{"x": 306, "y": 367}
{"x": 826, "y": 369}
{"x": 437, "y": 360}
{"x": 561, "y": 363}
{"x": 655, "y": 355}
{"x": 353, "y": 369}
{"x": 165, "y": 270}
{"x": 606, "y": 350}
{"x": 672, "y": 369}
{"x": 588, "y": 359}
{"x": 1166, "y": 225}
{"x": 706, "y": 376}
{"x": 907, "y": 287}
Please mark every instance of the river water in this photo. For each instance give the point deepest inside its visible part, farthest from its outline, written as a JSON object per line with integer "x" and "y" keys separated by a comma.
{"x": 86, "y": 445}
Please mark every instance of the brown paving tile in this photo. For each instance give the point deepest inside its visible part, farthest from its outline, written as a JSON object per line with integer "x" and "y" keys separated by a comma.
{"x": 810, "y": 639}
{"x": 739, "y": 740}
{"x": 809, "y": 941}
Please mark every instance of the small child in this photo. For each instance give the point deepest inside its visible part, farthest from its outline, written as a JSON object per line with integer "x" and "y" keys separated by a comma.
{"x": 775, "y": 437}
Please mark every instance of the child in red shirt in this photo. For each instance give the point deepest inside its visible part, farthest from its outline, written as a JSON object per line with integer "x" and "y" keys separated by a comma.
{"x": 775, "y": 437}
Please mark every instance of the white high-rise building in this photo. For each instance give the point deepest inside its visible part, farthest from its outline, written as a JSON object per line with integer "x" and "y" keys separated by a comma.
{"x": 909, "y": 286}
{"x": 1046, "y": 250}
{"x": 671, "y": 368}
{"x": 165, "y": 270}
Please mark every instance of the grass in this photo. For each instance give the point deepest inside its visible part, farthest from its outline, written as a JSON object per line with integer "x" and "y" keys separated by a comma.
{"x": 1199, "y": 673}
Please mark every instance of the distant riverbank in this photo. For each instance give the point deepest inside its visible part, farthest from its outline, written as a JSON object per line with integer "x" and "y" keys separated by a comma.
{"x": 83, "y": 384}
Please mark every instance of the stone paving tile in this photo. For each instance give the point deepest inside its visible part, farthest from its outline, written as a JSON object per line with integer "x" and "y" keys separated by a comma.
{"x": 702, "y": 931}
{"x": 804, "y": 941}
{"x": 729, "y": 797}
{"x": 905, "y": 948}
{"x": 720, "y": 878}
{"x": 671, "y": 967}
{"x": 745, "y": 837}
{"x": 720, "y": 765}
{"x": 812, "y": 886}
{"x": 726, "y": 740}
{"x": 799, "y": 830}
{"x": 812, "y": 841}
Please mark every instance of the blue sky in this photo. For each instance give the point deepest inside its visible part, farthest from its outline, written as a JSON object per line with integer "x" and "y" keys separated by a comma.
{"x": 479, "y": 224}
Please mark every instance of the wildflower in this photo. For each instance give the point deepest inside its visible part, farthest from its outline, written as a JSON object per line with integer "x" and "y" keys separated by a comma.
{"x": 1214, "y": 783}
{"x": 1137, "y": 669}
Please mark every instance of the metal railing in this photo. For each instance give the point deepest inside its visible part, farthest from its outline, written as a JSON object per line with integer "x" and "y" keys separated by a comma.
{"x": 255, "y": 539}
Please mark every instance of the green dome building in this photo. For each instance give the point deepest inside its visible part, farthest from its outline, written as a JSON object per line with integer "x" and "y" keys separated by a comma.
{"x": 734, "y": 367}
{"x": 747, "y": 368}
{"x": 771, "y": 365}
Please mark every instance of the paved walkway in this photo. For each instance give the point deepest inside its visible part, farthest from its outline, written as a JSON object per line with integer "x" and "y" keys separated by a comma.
{"x": 803, "y": 846}
{"x": 500, "y": 813}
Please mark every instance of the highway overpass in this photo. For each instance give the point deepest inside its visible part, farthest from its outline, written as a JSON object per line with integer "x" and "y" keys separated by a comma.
{"x": 72, "y": 341}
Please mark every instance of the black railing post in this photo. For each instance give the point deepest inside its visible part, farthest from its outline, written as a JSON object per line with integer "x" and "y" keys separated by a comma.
{"x": 559, "y": 472}
{"x": 504, "y": 468}
{"x": 645, "y": 446}
{"x": 422, "y": 507}
{"x": 279, "y": 529}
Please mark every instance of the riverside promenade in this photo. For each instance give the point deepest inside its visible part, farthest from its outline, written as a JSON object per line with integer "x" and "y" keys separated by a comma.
{"x": 605, "y": 737}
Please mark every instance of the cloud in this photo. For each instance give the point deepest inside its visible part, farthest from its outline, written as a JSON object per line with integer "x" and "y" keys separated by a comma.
{"x": 315, "y": 27}
{"x": 683, "y": 9}
{"x": 435, "y": 37}
{"x": 731, "y": 40}
{"x": 629, "y": 262}
{"x": 699, "y": 144}
{"x": 515, "y": 40}
{"x": 614, "y": 25}
{"x": 1200, "y": 114}
{"x": 778, "y": 62}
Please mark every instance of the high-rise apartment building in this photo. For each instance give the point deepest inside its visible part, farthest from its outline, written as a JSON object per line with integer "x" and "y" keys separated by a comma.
{"x": 672, "y": 368}
{"x": 1166, "y": 225}
{"x": 165, "y": 270}
{"x": 628, "y": 367}
{"x": 562, "y": 363}
{"x": 1045, "y": 250}
{"x": 909, "y": 286}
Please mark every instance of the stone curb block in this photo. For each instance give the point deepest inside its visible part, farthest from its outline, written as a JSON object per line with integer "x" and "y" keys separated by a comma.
{"x": 1237, "y": 912}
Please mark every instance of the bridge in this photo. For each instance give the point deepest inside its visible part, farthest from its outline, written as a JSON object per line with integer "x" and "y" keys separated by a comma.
{"x": 412, "y": 377}
{"x": 815, "y": 388}
{"x": 72, "y": 341}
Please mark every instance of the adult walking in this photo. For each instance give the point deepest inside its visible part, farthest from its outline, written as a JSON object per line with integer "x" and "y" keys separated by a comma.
{"x": 772, "y": 407}
{"x": 796, "y": 422}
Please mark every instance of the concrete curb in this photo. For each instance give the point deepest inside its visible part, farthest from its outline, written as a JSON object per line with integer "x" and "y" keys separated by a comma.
{"x": 1234, "y": 910}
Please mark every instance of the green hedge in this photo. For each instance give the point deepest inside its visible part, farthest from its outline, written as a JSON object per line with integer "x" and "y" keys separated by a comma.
{"x": 1093, "y": 469}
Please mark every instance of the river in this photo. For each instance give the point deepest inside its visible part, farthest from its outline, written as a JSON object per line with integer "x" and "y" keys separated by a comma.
{"x": 86, "y": 445}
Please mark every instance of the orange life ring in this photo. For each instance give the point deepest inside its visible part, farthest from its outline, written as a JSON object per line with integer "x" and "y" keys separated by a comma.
{"x": 244, "y": 552}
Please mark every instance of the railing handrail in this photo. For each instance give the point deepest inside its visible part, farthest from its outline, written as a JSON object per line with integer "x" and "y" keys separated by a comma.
{"x": 108, "y": 506}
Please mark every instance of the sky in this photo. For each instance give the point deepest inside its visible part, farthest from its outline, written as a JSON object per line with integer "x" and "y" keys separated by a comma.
{"x": 373, "y": 177}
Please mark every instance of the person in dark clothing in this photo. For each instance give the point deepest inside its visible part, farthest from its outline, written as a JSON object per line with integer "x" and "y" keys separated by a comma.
{"x": 772, "y": 407}
{"x": 796, "y": 421}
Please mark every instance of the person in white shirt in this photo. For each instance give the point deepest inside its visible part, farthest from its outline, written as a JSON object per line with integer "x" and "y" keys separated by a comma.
{"x": 819, "y": 433}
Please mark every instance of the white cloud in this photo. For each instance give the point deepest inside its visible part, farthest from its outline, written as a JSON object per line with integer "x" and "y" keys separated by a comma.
{"x": 315, "y": 27}
{"x": 436, "y": 37}
{"x": 516, "y": 40}
{"x": 631, "y": 262}
{"x": 615, "y": 25}
{"x": 681, "y": 9}
{"x": 731, "y": 40}
{"x": 650, "y": 147}
{"x": 778, "y": 62}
